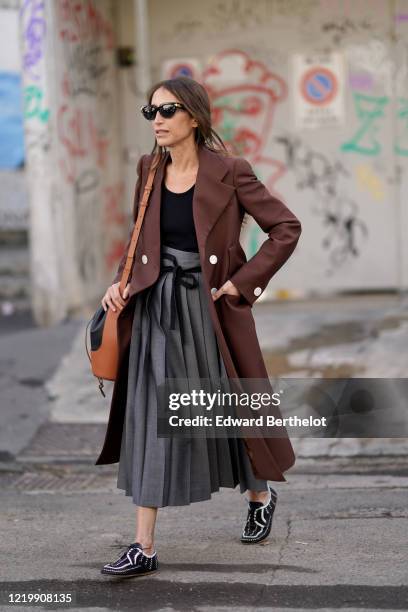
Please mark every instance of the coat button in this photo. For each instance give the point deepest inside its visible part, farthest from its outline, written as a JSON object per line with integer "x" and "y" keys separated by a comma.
{"x": 213, "y": 259}
{"x": 214, "y": 289}
{"x": 257, "y": 291}
{"x": 144, "y": 259}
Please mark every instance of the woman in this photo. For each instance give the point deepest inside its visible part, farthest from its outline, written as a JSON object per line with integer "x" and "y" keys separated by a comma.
{"x": 186, "y": 310}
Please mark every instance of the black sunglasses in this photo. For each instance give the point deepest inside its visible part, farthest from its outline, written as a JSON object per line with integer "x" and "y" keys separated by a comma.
{"x": 166, "y": 110}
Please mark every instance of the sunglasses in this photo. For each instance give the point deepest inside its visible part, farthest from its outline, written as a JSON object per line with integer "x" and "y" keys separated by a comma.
{"x": 166, "y": 110}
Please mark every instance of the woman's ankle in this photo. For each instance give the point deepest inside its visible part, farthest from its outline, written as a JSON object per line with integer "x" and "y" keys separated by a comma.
{"x": 147, "y": 545}
{"x": 260, "y": 496}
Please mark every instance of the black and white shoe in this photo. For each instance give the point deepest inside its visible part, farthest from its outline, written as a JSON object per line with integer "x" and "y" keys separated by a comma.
{"x": 259, "y": 520}
{"x": 133, "y": 562}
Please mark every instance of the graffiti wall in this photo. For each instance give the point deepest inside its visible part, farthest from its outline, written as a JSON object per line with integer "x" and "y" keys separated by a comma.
{"x": 13, "y": 200}
{"x": 314, "y": 95}
{"x": 72, "y": 143}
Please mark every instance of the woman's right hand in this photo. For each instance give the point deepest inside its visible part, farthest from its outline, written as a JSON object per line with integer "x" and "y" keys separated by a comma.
{"x": 112, "y": 298}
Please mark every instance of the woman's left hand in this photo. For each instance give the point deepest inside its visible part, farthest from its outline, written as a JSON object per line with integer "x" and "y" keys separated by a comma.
{"x": 227, "y": 287}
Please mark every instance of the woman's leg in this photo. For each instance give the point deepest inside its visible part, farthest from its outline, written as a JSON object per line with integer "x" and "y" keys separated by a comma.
{"x": 261, "y": 496}
{"x": 145, "y": 524}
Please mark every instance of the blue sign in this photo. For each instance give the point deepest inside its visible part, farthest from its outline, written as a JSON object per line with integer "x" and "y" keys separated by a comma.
{"x": 319, "y": 86}
{"x": 11, "y": 121}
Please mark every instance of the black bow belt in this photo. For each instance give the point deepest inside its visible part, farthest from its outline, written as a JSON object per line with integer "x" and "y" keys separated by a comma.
{"x": 181, "y": 276}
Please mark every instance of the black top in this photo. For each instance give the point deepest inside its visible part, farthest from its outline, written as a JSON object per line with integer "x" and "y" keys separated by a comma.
{"x": 176, "y": 220}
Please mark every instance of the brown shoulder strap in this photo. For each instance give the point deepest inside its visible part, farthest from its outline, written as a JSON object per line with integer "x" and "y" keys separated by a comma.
{"x": 136, "y": 231}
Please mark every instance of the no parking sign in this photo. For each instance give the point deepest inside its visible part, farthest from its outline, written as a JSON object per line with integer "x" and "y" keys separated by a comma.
{"x": 184, "y": 66}
{"x": 318, "y": 90}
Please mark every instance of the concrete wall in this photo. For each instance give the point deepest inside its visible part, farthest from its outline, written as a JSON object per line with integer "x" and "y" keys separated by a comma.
{"x": 73, "y": 151}
{"x": 344, "y": 178}
{"x": 14, "y": 257}
{"x": 13, "y": 200}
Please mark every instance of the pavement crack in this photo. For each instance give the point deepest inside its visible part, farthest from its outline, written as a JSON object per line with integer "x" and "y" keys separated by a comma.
{"x": 282, "y": 548}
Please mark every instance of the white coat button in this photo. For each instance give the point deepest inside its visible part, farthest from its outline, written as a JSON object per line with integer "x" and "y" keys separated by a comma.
{"x": 213, "y": 259}
{"x": 214, "y": 289}
{"x": 257, "y": 291}
{"x": 144, "y": 259}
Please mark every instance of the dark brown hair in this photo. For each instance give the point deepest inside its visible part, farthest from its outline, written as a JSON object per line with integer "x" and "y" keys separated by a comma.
{"x": 195, "y": 98}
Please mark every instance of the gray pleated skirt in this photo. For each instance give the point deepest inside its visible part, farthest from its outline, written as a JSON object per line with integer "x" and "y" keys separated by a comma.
{"x": 158, "y": 471}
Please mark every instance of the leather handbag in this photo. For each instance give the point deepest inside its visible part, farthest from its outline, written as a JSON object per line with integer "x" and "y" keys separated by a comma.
{"x": 103, "y": 326}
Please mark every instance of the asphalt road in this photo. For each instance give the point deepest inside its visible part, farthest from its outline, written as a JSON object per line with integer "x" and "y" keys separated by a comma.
{"x": 339, "y": 538}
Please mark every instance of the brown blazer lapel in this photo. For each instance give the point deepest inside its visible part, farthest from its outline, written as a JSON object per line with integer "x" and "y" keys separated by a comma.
{"x": 211, "y": 195}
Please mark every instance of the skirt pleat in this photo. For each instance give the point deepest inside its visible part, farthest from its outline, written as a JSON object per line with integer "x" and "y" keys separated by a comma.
{"x": 173, "y": 471}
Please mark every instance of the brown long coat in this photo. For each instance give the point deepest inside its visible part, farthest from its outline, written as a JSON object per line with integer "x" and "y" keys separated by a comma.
{"x": 226, "y": 188}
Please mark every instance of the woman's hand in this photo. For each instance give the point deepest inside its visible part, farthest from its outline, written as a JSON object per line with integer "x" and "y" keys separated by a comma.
{"x": 113, "y": 298}
{"x": 228, "y": 288}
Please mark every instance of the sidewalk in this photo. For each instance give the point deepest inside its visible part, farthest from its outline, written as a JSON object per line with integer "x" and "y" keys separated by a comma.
{"x": 338, "y": 534}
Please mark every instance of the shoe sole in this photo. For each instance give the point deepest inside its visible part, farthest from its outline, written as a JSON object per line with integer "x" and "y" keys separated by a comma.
{"x": 129, "y": 575}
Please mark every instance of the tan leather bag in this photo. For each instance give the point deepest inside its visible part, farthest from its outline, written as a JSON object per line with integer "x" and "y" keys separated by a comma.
{"x": 104, "y": 353}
